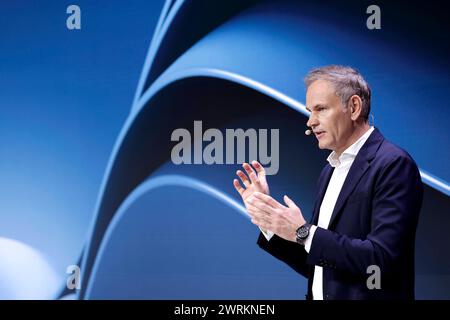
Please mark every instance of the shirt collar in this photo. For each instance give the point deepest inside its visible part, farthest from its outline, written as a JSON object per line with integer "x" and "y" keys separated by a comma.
{"x": 351, "y": 152}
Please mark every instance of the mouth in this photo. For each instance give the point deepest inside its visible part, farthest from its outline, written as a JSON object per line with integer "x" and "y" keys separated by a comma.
{"x": 319, "y": 134}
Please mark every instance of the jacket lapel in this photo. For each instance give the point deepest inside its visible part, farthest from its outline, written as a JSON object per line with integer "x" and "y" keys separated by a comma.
{"x": 357, "y": 170}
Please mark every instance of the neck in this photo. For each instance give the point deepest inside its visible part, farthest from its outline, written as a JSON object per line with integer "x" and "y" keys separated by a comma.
{"x": 356, "y": 134}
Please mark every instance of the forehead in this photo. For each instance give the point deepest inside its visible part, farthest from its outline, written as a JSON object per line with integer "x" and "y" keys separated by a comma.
{"x": 321, "y": 92}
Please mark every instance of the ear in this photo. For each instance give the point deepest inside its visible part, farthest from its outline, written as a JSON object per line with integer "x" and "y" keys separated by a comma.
{"x": 355, "y": 104}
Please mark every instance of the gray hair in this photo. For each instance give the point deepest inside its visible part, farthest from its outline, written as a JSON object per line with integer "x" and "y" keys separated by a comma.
{"x": 347, "y": 82}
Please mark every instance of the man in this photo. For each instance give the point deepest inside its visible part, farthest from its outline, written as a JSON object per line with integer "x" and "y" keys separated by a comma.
{"x": 367, "y": 206}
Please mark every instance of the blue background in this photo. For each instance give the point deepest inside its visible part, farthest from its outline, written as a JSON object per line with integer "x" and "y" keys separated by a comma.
{"x": 86, "y": 116}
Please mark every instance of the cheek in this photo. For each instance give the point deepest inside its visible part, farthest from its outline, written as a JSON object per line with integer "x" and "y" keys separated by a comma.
{"x": 331, "y": 135}
{"x": 329, "y": 138}
{"x": 336, "y": 124}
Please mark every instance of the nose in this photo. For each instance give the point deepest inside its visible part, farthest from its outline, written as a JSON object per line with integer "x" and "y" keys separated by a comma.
{"x": 312, "y": 121}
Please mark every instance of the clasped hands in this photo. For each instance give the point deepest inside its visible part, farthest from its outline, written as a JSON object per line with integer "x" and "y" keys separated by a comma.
{"x": 265, "y": 211}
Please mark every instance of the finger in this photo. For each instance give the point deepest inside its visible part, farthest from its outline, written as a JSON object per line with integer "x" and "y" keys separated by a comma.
{"x": 256, "y": 215}
{"x": 261, "y": 205}
{"x": 259, "y": 169}
{"x": 243, "y": 178}
{"x": 255, "y": 211}
{"x": 289, "y": 202}
{"x": 238, "y": 186}
{"x": 251, "y": 173}
{"x": 266, "y": 219}
{"x": 268, "y": 200}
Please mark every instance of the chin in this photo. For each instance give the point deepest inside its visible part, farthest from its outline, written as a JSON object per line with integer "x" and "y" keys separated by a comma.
{"x": 323, "y": 146}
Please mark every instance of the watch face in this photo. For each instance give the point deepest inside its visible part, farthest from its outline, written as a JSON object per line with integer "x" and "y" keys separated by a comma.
{"x": 302, "y": 232}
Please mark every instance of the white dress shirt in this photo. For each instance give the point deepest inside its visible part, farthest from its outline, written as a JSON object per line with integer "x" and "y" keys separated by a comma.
{"x": 341, "y": 166}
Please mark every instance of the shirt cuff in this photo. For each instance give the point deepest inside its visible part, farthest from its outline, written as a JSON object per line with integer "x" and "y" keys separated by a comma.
{"x": 267, "y": 234}
{"x": 308, "y": 240}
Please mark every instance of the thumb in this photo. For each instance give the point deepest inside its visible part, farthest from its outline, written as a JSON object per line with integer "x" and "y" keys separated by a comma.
{"x": 289, "y": 202}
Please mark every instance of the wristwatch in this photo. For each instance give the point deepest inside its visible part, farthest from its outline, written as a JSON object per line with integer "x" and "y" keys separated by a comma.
{"x": 303, "y": 233}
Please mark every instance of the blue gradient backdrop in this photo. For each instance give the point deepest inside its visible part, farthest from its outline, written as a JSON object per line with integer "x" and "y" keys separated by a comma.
{"x": 86, "y": 116}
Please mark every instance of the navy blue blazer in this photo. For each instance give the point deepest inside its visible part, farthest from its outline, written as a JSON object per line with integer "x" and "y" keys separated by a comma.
{"x": 373, "y": 223}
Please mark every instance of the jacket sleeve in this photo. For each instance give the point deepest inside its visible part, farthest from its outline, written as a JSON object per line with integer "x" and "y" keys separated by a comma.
{"x": 293, "y": 254}
{"x": 396, "y": 204}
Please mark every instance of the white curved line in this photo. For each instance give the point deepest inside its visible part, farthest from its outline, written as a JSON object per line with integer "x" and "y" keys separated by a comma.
{"x": 436, "y": 182}
{"x": 167, "y": 78}
{"x": 144, "y": 188}
{"x": 164, "y": 22}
